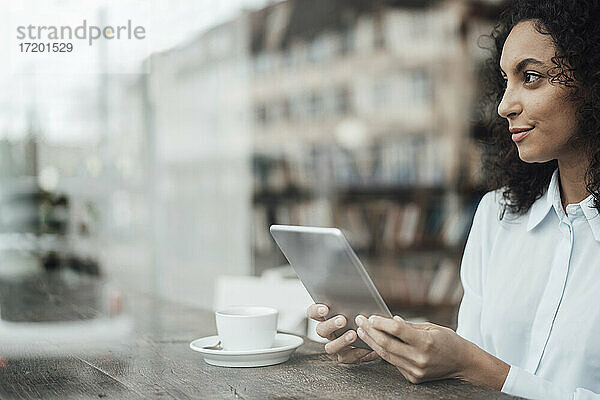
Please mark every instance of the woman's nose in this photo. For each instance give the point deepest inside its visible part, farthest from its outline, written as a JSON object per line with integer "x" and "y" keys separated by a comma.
{"x": 510, "y": 105}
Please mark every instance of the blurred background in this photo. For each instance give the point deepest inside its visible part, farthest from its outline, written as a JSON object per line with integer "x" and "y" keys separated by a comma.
{"x": 158, "y": 166}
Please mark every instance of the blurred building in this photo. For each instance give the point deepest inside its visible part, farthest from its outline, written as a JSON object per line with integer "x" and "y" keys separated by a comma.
{"x": 195, "y": 108}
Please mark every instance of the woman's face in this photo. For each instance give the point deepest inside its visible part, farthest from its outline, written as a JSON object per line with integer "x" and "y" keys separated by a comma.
{"x": 530, "y": 101}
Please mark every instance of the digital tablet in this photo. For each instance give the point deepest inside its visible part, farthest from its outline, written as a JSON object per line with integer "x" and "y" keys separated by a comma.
{"x": 331, "y": 273}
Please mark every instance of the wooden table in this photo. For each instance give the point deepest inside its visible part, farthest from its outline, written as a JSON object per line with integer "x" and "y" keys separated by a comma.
{"x": 156, "y": 362}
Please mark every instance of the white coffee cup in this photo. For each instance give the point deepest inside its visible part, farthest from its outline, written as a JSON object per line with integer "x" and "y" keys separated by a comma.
{"x": 246, "y": 327}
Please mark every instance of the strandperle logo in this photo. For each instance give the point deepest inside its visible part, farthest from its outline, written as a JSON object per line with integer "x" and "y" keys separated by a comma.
{"x": 84, "y": 31}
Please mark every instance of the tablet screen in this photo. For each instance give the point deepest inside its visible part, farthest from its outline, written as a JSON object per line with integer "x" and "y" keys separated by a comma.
{"x": 330, "y": 271}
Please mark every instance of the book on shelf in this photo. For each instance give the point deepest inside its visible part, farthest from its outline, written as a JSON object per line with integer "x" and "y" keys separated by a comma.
{"x": 417, "y": 279}
{"x": 409, "y": 225}
{"x": 443, "y": 282}
{"x": 456, "y": 226}
{"x": 433, "y": 220}
{"x": 353, "y": 222}
{"x": 451, "y": 233}
{"x": 381, "y": 276}
{"x": 409, "y": 160}
{"x": 399, "y": 291}
{"x": 377, "y": 216}
{"x": 391, "y": 226}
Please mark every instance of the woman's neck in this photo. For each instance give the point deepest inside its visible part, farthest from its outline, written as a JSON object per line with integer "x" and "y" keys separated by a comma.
{"x": 572, "y": 181}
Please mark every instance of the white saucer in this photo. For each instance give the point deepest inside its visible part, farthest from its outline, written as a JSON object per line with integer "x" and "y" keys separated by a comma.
{"x": 281, "y": 350}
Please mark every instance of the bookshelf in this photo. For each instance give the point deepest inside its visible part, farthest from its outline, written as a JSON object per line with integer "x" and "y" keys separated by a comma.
{"x": 412, "y": 242}
{"x": 410, "y": 237}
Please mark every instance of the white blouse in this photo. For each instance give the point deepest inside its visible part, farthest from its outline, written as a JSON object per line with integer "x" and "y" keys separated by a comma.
{"x": 532, "y": 294}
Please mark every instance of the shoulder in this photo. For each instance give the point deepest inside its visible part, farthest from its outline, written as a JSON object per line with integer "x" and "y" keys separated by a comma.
{"x": 491, "y": 205}
{"x": 492, "y": 211}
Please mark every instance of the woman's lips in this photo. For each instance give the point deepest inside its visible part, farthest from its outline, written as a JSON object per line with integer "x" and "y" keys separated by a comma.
{"x": 516, "y": 137}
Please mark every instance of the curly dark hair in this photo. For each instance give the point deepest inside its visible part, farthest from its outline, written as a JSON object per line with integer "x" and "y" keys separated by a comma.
{"x": 574, "y": 26}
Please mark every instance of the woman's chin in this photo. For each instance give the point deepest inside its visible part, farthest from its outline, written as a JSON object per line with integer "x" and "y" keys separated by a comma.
{"x": 528, "y": 155}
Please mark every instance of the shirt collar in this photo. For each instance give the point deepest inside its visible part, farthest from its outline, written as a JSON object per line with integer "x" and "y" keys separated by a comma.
{"x": 551, "y": 198}
{"x": 541, "y": 206}
{"x": 592, "y": 215}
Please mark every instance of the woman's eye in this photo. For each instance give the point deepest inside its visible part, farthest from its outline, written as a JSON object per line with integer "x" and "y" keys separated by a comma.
{"x": 530, "y": 78}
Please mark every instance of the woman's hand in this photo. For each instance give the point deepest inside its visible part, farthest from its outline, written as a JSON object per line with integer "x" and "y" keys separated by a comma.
{"x": 425, "y": 352}
{"x": 341, "y": 346}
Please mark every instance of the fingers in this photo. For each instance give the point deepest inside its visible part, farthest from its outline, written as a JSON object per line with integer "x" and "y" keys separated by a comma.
{"x": 317, "y": 311}
{"x": 396, "y": 327}
{"x": 336, "y": 345}
{"x": 423, "y": 326}
{"x": 389, "y": 343}
{"x": 353, "y": 355}
{"x": 369, "y": 357}
{"x": 325, "y": 329}
{"x": 388, "y": 356}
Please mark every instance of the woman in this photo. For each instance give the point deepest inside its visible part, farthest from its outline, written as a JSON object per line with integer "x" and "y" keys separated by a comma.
{"x": 529, "y": 321}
